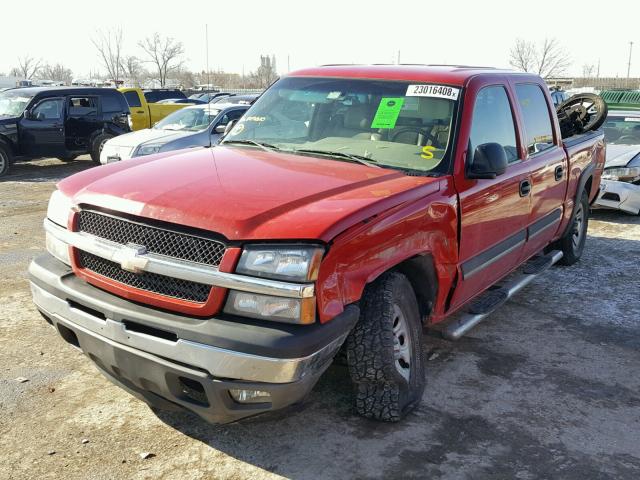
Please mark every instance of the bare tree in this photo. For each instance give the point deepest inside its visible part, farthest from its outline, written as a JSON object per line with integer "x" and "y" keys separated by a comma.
{"x": 266, "y": 73}
{"x": 547, "y": 59}
{"x": 164, "y": 54}
{"x": 132, "y": 68}
{"x": 27, "y": 67}
{"x": 109, "y": 46}
{"x": 57, "y": 73}
{"x": 588, "y": 70}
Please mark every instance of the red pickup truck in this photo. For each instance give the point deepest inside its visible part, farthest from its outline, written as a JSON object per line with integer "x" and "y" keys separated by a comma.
{"x": 349, "y": 208}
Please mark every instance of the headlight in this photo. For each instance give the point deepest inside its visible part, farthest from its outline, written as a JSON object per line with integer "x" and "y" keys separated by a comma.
{"x": 58, "y": 249}
{"x": 281, "y": 262}
{"x": 147, "y": 150}
{"x": 267, "y": 307}
{"x": 59, "y": 208}
{"x": 622, "y": 174}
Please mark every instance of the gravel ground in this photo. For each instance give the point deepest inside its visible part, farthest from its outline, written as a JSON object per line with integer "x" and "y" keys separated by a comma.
{"x": 547, "y": 387}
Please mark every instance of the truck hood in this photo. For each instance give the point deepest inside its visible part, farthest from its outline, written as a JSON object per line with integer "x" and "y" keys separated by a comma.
{"x": 620, "y": 155}
{"x": 244, "y": 193}
{"x": 148, "y": 135}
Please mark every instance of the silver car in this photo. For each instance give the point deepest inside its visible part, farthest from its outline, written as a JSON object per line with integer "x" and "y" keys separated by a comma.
{"x": 195, "y": 126}
{"x": 620, "y": 188}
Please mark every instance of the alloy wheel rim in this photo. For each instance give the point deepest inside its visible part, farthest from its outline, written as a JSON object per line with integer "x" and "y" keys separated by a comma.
{"x": 578, "y": 228}
{"x": 401, "y": 343}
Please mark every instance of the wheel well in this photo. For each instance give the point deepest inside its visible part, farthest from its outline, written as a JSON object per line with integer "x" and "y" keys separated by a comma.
{"x": 587, "y": 186}
{"x": 421, "y": 273}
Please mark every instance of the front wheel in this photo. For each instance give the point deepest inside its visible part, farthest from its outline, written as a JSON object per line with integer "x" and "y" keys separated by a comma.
{"x": 5, "y": 160}
{"x": 572, "y": 243}
{"x": 97, "y": 145}
{"x": 67, "y": 158}
{"x": 385, "y": 350}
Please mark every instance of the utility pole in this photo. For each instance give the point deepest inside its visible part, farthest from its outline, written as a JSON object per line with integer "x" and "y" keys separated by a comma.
{"x": 288, "y": 64}
{"x": 629, "y": 64}
{"x": 206, "y": 34}
{"x": 398, "y": 62}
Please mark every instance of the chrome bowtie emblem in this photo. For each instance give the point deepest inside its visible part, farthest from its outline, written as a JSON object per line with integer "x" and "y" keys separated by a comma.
{"x": 131, "y": 258}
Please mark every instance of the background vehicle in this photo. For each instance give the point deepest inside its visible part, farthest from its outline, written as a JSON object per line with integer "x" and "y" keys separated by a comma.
{"x": 156, "y": 94}
{"x": 208, "y": 97}
{"x": 195, "y": 126}
{"x": 59, "y": 122}
{"x": 144, "y": 114}
{"x": 350, "y": 205}
{"x": 190, "y": 101}
{"x": 620, "y": 187}
{"x": 237, "y": 99}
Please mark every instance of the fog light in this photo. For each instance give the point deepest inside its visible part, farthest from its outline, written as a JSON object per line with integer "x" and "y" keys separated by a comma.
{"x": 280, "y": 309}
{"x": 58, "y": 249}
{"x": 241, "y": 395}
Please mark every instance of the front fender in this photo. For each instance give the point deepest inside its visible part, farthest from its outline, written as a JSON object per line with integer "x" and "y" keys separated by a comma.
{"x": 427, "y": 226}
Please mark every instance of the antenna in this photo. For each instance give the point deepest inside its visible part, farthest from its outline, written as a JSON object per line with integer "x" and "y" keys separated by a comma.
{"x": 629, "y": 64}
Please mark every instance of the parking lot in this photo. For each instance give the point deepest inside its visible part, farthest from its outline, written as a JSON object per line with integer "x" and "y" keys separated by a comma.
{"x": 547, "y": 387}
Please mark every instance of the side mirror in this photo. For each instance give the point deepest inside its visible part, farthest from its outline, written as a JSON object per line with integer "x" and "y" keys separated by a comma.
{"x": 220, "y": 128}
{"x": 489, "y": 161}
{"x": 229, "y": 126}
{"x": 28, "y": 115}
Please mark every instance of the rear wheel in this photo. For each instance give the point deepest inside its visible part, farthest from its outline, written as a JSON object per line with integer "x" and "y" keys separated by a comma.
{"x": 385, "y": 350}
{"x": 5, "y": 160}
{"x": 572, "y": 243}
{"x": 97, "y": 145}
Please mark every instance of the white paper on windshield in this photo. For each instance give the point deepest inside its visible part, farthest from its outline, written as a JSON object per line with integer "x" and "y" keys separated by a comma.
{"x": 435, "y": 91}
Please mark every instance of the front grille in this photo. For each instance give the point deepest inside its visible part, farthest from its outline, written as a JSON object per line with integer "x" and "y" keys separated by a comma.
{"x": 150, "y": 282}
{"x": 157, "y": 240}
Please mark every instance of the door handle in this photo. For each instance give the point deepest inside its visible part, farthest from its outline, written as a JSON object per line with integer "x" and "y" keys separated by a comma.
{"x": 139, "y": 111}
{"x": 559, "y": 173}
{"x": 525, "y": 188}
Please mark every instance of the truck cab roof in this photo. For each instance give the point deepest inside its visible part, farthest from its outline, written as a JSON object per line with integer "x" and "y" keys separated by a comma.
{"x": 456, "y": 75}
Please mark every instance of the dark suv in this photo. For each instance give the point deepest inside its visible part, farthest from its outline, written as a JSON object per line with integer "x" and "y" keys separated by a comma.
{"x": 59, "y": 122}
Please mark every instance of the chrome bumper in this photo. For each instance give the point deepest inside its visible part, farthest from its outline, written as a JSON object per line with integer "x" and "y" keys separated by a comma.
{"x": 218, "y": 362}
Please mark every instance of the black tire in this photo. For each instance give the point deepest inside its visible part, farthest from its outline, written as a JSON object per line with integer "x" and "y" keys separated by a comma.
{"x": 572, "y": 243}
{"x": 382, "y": 391}
{"x": 67, "y": 158}
{"x": 96, "y": 146}
{"x": 5, "y": 160}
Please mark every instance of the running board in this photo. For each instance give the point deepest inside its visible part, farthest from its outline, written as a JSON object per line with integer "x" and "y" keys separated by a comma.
{"x": 493, "y": 298}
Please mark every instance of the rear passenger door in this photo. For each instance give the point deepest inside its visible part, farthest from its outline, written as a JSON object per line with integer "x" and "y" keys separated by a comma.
{"x": 546, "y": 162}
{"x": 139, "y": 115}
{"x": 493, "y": 213}
{"x": 82, "y": 121}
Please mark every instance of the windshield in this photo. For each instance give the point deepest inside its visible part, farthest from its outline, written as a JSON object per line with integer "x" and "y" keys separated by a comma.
{"x": 387, "y": 123}
{"x": 622, "y": 130}
{"x": 13, "y": 103}
{"x": 188, "y": 119}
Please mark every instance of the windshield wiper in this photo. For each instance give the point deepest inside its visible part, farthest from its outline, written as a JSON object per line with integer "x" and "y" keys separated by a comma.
{"x": 265, "y": 146}
{"x": 347, "y": 156}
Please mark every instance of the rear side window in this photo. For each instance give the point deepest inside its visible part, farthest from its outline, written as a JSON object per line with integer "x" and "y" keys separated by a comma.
{"x": 83, "y": 106}
{"x": 538, "y": 132}
{"x": 493, "y": 121}
{"x": 111, "y": 104}
{"x": 132, "y": 99}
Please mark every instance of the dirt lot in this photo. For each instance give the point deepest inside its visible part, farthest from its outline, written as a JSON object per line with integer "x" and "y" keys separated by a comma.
{"x": 548, "y": 387}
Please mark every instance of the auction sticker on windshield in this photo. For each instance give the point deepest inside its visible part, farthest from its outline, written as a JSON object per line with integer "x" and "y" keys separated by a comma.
{"x": 436, "y": 91}
{"x": 387, "y": 113}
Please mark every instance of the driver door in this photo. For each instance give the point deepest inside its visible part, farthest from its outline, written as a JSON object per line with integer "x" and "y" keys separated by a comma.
{"x": 43, "y": 133}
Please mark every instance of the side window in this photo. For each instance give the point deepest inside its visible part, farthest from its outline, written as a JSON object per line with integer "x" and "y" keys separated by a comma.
{"x": 83, "y": 106}
{"x": 493, "y": 121}
{"x": 132, "y": 99}
{"x": 49, "y": 109}
{"x": 111, "y": 104}
{"x": 537, "y": 122}
{"x": 227, "y": 117}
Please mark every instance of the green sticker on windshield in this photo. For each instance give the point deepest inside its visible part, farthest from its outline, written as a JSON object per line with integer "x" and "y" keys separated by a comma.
{"x": 388, "y": 112}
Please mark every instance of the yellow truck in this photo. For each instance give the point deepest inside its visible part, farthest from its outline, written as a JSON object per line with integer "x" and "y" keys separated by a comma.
{"x": 144, "y": 111}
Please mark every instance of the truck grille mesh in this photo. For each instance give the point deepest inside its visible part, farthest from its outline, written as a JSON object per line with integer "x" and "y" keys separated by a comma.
{"x": 150, "y": 282}
{"x": 156, "y": 240}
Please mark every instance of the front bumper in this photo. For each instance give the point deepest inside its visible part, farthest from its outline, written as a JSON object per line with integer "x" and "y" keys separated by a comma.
{"x": 172, "y": 361}
{"x": 619, "y": 196}
{"x": 115, "y": 153}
